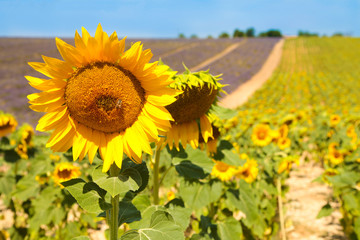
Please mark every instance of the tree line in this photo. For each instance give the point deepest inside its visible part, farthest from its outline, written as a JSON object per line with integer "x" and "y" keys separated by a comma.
{"x": 250, "y": 32}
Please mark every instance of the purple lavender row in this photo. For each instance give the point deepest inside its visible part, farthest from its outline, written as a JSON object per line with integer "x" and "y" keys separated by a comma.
{"x": 197, "y": 54}
{"x": 245, "y": 61}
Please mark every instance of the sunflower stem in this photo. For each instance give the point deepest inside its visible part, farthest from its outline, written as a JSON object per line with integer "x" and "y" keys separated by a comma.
{"x": 282, "y": 223}
{"x": 156, "y": 177}
{"x": 114, "y": 222}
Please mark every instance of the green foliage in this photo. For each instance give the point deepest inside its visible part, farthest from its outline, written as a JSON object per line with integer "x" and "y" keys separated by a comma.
{"x": 237, "y": 33}
{"x": 88, "y": 195}
{"x": 307, "y": 34}
{"x": 224, "y": 35}
{"x": 161, "y": 226}
{"x": 325, "y": 211}
{"x": 271, "y": 33}
{"x": 250, "y": 32}
{"x": 181, "y": 36}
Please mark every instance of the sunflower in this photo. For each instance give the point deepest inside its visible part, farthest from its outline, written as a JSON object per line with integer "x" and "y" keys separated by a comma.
{"x": 262, "y": 135}
{"x": 249, "y": 171}
{"x": 284, "y": 143}
{"x": 336, "y": 157}
{"x": 42, "y": 179}
{"x": 334, "y": 120}
{"x": 191, "y": 109}
{"x": 102, "y": 98}
{"x": 330, "y": 172}
{"x": 7, "y": 124}
{"x": 24, "y": 140}
{"x": 286, "y": 164}
{"x": 332, "y": 146}
{"x": 170, "y": 195}
{"x": 64, "y": 172}
{"x": 350, "y": 131}
{"x": 283, "y": 131}
{"x": 223, "y": 171}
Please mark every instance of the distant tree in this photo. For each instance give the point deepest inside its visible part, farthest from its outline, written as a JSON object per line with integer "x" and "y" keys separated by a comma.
{"x": 263, "y": 34}
{"x": 209, "y": 37}
{"x": 194, "y": 36}
{"x": 274, "y": 33}
{"x": 238, "y": 33}
{"x": 338, "y": 34}
{"x": 181, "y": 35}
{"x": 307, "y": 34}
{"x": 250, "y": 32}
{"x": 271, "y": 33}
{"x": 224, "y": 35}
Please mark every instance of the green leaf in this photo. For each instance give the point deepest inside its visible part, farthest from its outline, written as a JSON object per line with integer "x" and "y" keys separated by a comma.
{"x": 128, "y": 213}
{"x": 146, "y": 216}
{"x": 139, "y": 173}
{"x": 200, "y": 237}
{"x": 196, "y": 157}
{"x": 223, "y": 113}
{"x": 245, "y": 201}
{"x": 197, "y": 195}
{"x": 325, "y": 211}
{"x": 7, "y": 184}
{"x": 81, "y": 238}
{"x": 357, "y": 227}
{"x": 88, "y": 195}
{"x": 344, "y": 179}
{"x": 26, "y": 188}
{"x": 113, "y": 185}
{"x": 181, "y": 216}
{"x": 351, "y": 202}
{"x": 229, "y": 229}
{"x": 190, "y": 171}
{"x": 162, "y": 227}
{"x": 232, "y": 158}
{"x": 141, "y": 202}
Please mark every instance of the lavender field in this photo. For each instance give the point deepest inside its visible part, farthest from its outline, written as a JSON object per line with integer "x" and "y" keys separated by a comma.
{"x": 237, "y": 67}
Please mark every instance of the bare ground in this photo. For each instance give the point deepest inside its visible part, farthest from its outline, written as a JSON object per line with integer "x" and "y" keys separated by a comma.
{"x": 304, "y": 201}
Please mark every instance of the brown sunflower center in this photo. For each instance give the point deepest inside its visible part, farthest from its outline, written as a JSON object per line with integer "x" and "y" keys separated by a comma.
{"x": 104, "y": 97}
{"x": 246, "y": 172}
{"x": 222, "y": 167}
{"x": 262, "y": 134}
{"x": 337, "y": 154}
{"x": 64, "y": 174}
{"x": 6, "y": 126}
{"x": 192, "y": 103}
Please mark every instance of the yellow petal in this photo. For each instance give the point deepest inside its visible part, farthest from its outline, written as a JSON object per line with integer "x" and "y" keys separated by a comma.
{"x": 206, "y": 128}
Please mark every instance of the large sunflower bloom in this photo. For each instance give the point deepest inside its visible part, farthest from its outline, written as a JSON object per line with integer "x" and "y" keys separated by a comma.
{"x": 7, "y": 124}
{"x": 101, "y": 97}
{"x": 191, "y": 109}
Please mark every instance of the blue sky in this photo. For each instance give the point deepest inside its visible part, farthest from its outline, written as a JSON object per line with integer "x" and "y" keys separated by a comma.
{"x": 166, "y": 19}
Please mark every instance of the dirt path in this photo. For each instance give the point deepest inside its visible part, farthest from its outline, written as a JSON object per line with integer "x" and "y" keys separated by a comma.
{"x": 244, "y": 91}
{"x": 304, "y": 201}
{"x": 216, "y": 57}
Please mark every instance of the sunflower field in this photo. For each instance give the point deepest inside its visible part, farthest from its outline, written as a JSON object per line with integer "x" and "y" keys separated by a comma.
{"x": 125, "y": 148}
